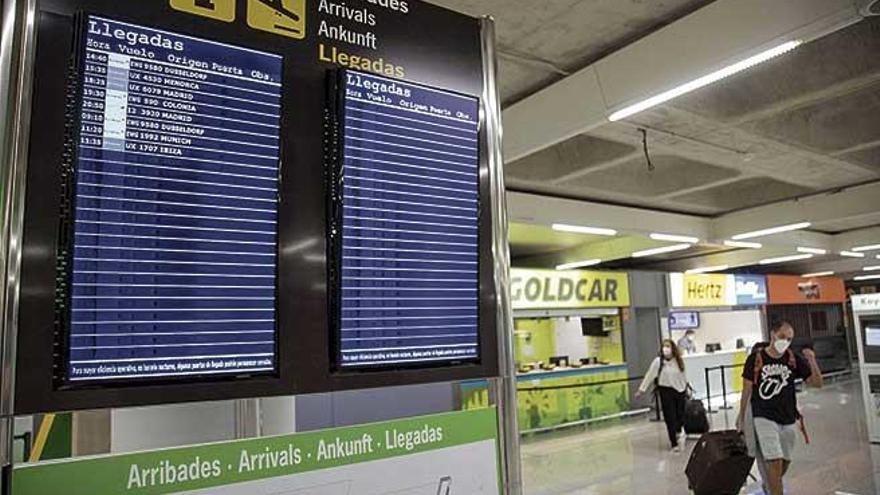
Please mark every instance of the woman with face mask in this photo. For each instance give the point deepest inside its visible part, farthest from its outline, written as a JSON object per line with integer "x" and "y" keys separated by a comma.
{"x": 667, "y": 376}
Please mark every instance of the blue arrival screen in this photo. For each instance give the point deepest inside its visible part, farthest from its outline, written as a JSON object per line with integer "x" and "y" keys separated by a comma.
{"x": 410, "y": 275}
{"x": 176, "y": 201}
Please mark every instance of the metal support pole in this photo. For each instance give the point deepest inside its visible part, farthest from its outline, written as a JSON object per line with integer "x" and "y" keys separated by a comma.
{"x": 708, "y": 392}
{"x": 16, "y": 77}
{"x": 726, "y": 406}
{"x": 502, "y": 388}
{"x": 248, "y": 419}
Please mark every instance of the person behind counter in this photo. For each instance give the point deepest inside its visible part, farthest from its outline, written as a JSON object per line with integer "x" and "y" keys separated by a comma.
{"x": 666, "y": 374}
{"x": 686, "y": 344}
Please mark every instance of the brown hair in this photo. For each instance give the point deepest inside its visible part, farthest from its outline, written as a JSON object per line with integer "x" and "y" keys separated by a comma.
{"x": 778, "y": 325}
{"x": 676, "y": 353}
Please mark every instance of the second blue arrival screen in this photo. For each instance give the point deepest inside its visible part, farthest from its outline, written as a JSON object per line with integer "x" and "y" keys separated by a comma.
{"x": 410, "y": 234}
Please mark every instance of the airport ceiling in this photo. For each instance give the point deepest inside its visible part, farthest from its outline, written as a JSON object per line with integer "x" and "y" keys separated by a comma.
{"x": 803, "y": 128}
{"x": 541, "y": 42}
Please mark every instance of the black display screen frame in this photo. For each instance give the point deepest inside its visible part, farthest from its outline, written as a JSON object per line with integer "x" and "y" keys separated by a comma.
{"x": 593, "y": 327}
{"x": 686, "y": 325}
{"x": 871, "y": 352}
{"x": 304, "y": 360}
{"x": 41, "y": 377}
{"x": 339, "y": 378}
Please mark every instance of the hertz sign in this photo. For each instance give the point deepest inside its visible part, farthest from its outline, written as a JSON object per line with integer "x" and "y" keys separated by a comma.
{"x": 550, "y": 289}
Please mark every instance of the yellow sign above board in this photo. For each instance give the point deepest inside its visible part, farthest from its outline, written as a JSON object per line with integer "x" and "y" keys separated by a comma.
{"x": 221, "y": 10}
{"x": 284, "y": 17}
{"x": 705, "y": 290}
{"x": 551, "y": 289}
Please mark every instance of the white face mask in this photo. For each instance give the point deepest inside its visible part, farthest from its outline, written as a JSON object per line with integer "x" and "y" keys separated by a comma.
{"x": 781, "y": 345}
{"x": 667, "y": 352}
{"x": 691, "y": 338}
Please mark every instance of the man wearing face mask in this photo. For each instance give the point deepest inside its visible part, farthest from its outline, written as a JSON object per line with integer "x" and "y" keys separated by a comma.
{"x": 768, "y": 409}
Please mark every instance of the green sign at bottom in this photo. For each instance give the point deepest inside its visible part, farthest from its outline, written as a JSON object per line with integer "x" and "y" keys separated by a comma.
{"x": 442, "y": 454}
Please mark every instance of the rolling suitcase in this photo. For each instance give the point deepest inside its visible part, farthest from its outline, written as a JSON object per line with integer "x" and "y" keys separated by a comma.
{"x": 696, "y": 421}
{"x": 719, "y": 465}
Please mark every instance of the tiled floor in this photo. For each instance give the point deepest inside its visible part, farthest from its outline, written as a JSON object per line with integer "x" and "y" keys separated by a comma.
{"x": 633, "y": 457}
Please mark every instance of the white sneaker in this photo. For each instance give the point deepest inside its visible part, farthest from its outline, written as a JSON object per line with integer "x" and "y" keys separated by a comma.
{"x": 677, "y": 449}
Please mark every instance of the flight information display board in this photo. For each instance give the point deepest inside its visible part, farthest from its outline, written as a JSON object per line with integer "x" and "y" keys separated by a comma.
{"x": 174, "y": 244}
{"x": 409, "y": 281}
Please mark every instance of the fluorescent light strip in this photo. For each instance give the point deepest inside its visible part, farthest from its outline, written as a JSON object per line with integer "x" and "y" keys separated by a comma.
{"x": 578, "y": 229}
{"x": 867, "y": 277}
{"x": 675, "y": 238}
{"x": 872, "y": 269}
{"x": 661, "y": 250}
{"x": 708, "y": 269}
{"x": 578, "y": 264}
{"x": 704, "y": 80}
{"x": 851, "y": 254}
{"x": 817, "y": 274}
{"x": 772, "y": 230}
{"x": 809, "y": 250}
{"x": 873, "y": 247}
{"x": 742, "y": 244}
{"x": 785, "y": 259}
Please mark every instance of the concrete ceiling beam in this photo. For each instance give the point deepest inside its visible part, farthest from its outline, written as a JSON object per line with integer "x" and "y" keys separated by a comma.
{"x": 610, "y": 250}
{"x": 790, "y": 240}
{"x": 635, "y": 225}
{"x": 545, "y": 210}
{"x": 862, "y": 237}
{"x": 844, "y": 267}
{"x": 732, "y": 259}
{"x": 711, "y": 38}
{"x": 849, "y": 204}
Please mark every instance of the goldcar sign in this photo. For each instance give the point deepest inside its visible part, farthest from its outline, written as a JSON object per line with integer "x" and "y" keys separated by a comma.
{"x": 551, "y": 289}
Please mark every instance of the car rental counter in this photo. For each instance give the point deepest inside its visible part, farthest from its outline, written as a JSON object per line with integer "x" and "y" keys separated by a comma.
{"x": 725, "y": 314}
{"x": 568, "y": 336}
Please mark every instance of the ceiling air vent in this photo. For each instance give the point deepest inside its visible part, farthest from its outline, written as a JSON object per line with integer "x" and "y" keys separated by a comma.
{"x": 871, "y": 7}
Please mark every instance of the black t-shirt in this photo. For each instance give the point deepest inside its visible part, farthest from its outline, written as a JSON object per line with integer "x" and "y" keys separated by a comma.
{"x": 774, "y": 396}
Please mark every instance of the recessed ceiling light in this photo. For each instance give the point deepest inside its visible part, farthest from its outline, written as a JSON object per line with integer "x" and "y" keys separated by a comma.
{"x": 661, "y": 250}
{"x": 851, "y": 254}
{"x": 809, "y": 250}
{"x": 704, "y": 80}
{"x": 872, "y": 247}
{"x": 743, "y": 244}
{"x": 818, "y": 274}
{"x": 707, "y": 269}
{"x": 867, "y": 277}
{"x": 675, "y": 238}
{"x": 579, "y": 229}
{"x": 578, "y": 264}
{"x": 771, "y": 231}
{"x": 785, "y": 259}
